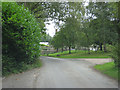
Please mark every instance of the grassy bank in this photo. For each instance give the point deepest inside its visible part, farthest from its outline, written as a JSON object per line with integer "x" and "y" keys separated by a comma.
{"x": 108, "y": 69}
{"x": 81, "y": 54}
{"x": 23, "y": 68}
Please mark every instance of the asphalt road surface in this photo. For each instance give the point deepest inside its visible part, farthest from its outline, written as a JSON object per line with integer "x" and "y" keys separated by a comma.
{"x": 62, "y": 73}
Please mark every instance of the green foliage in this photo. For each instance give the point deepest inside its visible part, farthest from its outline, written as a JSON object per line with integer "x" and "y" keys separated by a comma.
{"x": 10, "y": 66}
{"x": 70, "y": 28}
{"x": 55, "y": 43}
{"x": 66, "y": 36}
{"x": 21, "y": 36}
{"x": 46, "y": 38}
{"x": 59, "y": 40}
{"x": 115, "y": 56}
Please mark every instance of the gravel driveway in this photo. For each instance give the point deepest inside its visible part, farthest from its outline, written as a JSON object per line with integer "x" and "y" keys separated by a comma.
{"x": 62, "y": 73}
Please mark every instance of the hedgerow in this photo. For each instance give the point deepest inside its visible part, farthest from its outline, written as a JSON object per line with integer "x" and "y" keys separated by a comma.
{"x": 21, "y": 34}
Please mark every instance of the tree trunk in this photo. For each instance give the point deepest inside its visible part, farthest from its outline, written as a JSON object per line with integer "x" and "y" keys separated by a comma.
{"x": 75, "y": 49}
{"x": 62, "y": 50}
{"x": 105, "y": 47}
{"x": 100, "y": 46}
{"x": 25, "y": 3}
{"x": 66, "y": 48}
{"x": 88, "y": 50}
{"x": 57, "y": 50}
{"x": 97, "y": 48}
{"x": 69, "y": 50}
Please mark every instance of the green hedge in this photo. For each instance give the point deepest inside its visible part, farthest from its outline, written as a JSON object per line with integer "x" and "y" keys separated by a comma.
{"x": 21, "y": 34}
{"x": 116, "y": 55}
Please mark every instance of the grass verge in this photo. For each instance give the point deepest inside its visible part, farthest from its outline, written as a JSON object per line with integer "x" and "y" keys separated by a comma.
{"x": 22, "y": 68}
{"x": 81, "y": 54}
{"x": 108, "y": 69}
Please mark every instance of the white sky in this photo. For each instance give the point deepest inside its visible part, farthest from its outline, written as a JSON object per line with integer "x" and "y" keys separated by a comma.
{"x": 50, "y": 28}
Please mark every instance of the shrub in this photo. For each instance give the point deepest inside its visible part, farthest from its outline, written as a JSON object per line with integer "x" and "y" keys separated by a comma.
{"x": 115, "y": 56}
{"x": 21, "y": 35}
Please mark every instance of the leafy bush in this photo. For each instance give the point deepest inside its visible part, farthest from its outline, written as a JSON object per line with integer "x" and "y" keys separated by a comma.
{"x": 10, "y": 67}
{"x": 21, "y": 36}
{"x": 115, "y": 56}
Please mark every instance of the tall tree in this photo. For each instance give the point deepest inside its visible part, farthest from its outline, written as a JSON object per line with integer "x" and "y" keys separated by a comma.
{"x": 101, "y": 12}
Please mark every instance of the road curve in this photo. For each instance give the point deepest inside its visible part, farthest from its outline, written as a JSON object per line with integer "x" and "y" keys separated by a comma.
{"x": 61, "y": 73}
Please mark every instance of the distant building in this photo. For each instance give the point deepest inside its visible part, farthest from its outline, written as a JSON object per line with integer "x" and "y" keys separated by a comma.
{"x": 45, "y": 43}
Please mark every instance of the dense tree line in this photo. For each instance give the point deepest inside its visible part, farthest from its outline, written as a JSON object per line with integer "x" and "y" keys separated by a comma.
{"x": 95, "y": 24}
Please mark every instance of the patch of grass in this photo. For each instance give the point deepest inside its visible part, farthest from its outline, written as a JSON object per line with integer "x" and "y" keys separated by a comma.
{"x": 61, "y": 53}
{"x": 108, "y": 69}
{"x": 23, "y": 67}
{"x": 81, "y": 54}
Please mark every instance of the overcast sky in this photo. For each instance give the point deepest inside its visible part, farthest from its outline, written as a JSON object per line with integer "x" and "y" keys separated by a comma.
{"x": 50, "y": 28}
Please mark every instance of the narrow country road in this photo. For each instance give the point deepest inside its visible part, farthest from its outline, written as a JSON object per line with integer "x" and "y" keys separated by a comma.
{"x": 62, "y": 73}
